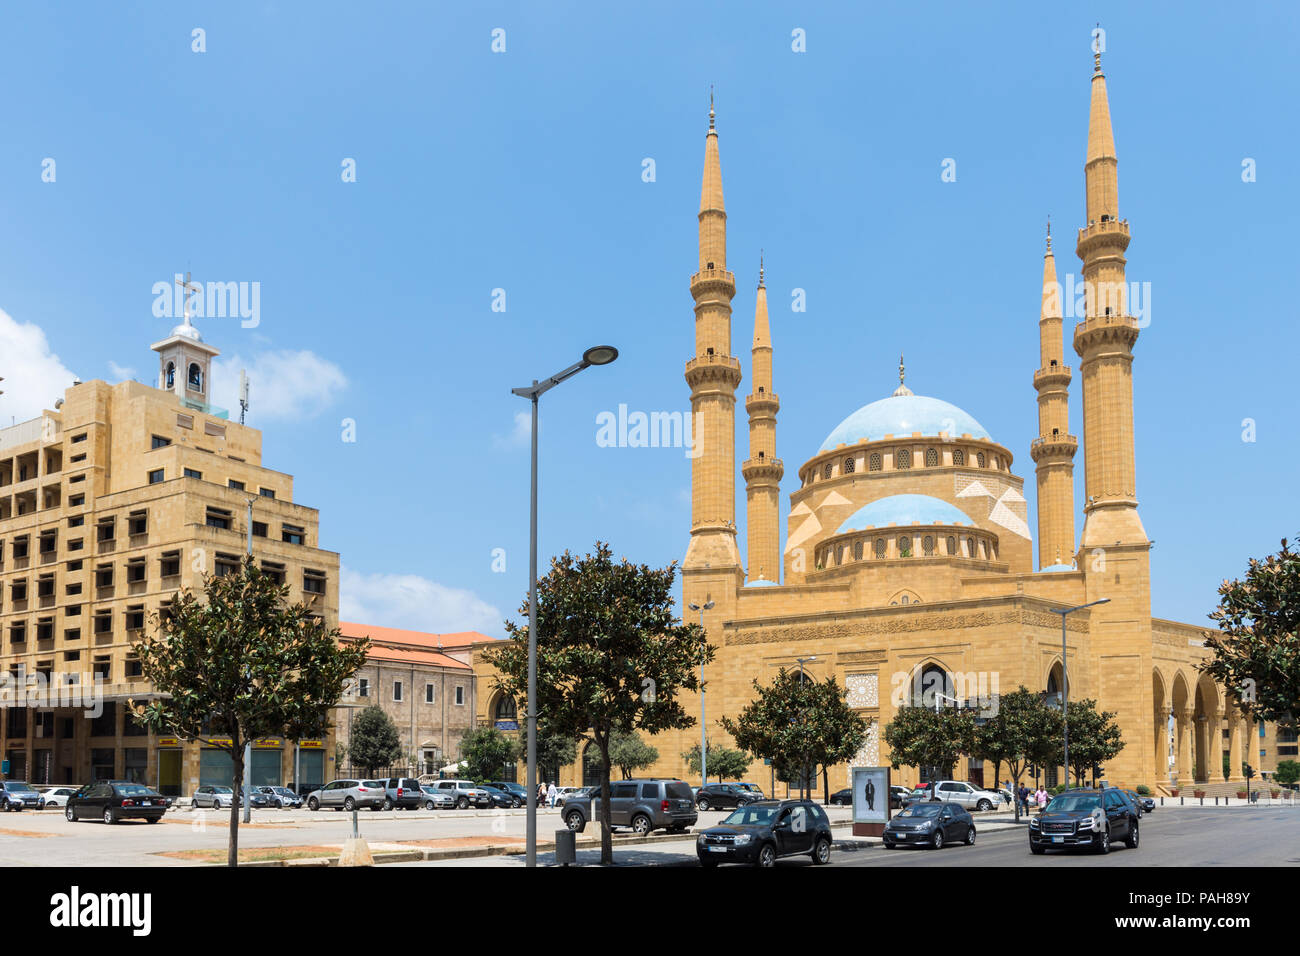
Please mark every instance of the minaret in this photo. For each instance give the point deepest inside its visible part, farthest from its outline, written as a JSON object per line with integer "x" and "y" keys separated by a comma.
{"x": 1104, "y": 341}
{"x": 763, "y": 470}
{"x": 713, "y": 375}
{"x": 1053, "y": 450}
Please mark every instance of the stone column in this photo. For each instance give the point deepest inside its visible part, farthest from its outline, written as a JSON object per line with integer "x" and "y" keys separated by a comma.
{"x": 1234, "y": 747}
{"x": 1214, "y": 754}
{"x": 1184, "y": 766}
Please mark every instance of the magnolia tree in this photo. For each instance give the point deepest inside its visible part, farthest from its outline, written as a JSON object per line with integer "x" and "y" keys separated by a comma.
{"x": 240, "y": 664}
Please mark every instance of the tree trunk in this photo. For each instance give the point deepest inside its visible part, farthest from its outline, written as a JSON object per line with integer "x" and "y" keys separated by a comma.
{"x": 826, "y": 786}
{"x": 237, "y": 760}
{"x": 606, "y": 834}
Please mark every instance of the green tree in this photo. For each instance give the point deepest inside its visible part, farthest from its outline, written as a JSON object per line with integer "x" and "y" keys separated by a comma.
{"x": 374, "y": 741}
{"x": 725, "y": 763}
{"x": 1256, "y": 654}
{"x": 800, "y": 724}
{"x": 922, "y": 737}
{"x": 1022, "y": 732}
{"x": 611, "y": 656}
{"x": 628, "y": 752}
{"x": 241, "y": 664}
{"x": 485, "y": 752}
{"x": 554, "y": 751}
{"x": 1094, "y": 739}
{"x": 1288, "y": 771}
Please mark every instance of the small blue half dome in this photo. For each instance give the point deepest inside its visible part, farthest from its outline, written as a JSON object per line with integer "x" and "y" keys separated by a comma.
{"x": 900, "y": 415}
{"x": 904, "y": 510}
{"x": 762, "y": 584}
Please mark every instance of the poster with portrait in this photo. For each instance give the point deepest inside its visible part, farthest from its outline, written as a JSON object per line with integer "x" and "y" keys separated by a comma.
{"x": 870, "y": 795}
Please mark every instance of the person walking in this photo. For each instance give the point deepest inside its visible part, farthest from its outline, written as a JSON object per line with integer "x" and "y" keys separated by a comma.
{"x": 541, "y": 794}
{"x": 552, "y": 792}
{"x": 1042, "y": 799}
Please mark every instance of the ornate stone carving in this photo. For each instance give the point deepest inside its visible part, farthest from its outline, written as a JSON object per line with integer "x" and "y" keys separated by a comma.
{"x": 863, "y": 690}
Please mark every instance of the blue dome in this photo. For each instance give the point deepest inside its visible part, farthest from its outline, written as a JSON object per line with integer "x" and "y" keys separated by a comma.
{"x": 900, "y": 415}
{"x": 762, "y": 584}
{"x": 903, "y": 510}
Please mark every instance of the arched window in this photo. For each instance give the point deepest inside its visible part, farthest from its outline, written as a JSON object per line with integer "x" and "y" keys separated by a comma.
{"x": 505, "y": 709}
{"x": 931, "y": 458}
{"x": 903, "y": 458}
{"x": 958, "y": 457}
{"x": 970, "y": 547}
{"x": 874, "y": 463}
{"x": 986, "y": 550}
{"x": 196, "y": 377}
{"x": 880, "y": 547}
{"x": 171, "y": 375}
{"x": 857, "y": 550}
{"x": 903, "y": 600}
{"x": 927, "y": 545}
{"x": 979, "y": 459}
{"x": 839, "y": 554}
{"x": 928, "y": 685}
{"x": 952, "y": 545}
{"x": 848, "y": 466}
{"x": 826, "y": 472}
{"x": 904, "y": 547}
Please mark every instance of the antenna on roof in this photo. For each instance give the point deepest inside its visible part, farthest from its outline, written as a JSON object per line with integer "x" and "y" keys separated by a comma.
{"x": 243, "y": 394}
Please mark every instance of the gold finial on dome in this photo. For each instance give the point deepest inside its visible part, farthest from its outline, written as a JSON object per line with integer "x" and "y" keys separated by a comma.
{"x": 760, "y": 268}
{"x": 1049, "y": 233}
{"x": 710, "y": 106}
{"x": 1096, "y": 49}
{"x": 902, "y": 389}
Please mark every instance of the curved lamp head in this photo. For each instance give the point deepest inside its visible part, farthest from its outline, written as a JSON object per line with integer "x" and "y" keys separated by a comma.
{"x": 600, "y": 355}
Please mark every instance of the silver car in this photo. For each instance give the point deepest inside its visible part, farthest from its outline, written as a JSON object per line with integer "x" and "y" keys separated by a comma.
{"x": 435, "y": 799}
{"x": 58, "y": 796}
{"x": 967, "y": 795}
{"x": 281, "y": 797}
{"x": 348, "y": 795}
{"x": 214, "y": 797}
{"x": 464, "y": 792}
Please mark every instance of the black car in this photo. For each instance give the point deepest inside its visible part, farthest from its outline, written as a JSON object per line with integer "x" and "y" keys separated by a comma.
{"x": 760, "y": 832}
{"x": 723, "y": 796}
{"x": 933, "y": 824}
{"x": 1091, "y": 818}
{"x": 500, "y": 798}
{"x": 516, "y": 790}
{"x": 844, "y": 798}
{"x": 112, "y": 801}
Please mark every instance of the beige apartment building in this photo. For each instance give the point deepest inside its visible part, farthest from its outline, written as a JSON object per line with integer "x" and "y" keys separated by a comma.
{"x": 111, "y": 503}
{"x": 424, "y": 682}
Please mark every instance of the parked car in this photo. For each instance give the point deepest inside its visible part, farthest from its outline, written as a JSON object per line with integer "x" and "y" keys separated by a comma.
{"x": 465, "y": 793}
{"x": 280, "y": 797}
{"x": 435, "y": 799}
{"x": 218, "y": 797}
{"x": 931, "y": 823}
{"x": 348, "y": 795}
{"x": 501, "y": 800}
{"x": 114, "y": 800}
{"x": 842, "y": 798}
{"x": 403, "y": 793}
{"x": 643, "y": 805}
{"x": 897, "y": 795}
{"x": 1091, "y": 818}
{"x": 761, "y": 832}
{"x": 58, "y": 796}
{"x": 723, "y": 796}
{"x": 967, "y": 794}
{"x": 564, "y": 794}
{"x": 751, "y": 787}
{"x": 517, "y": 790}
{"x": 19, "y": 795}
{"x": 1144, "y": 804}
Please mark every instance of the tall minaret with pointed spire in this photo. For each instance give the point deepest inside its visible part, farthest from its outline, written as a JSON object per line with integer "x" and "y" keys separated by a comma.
{"x": 713, "y": 375}
{"x": 763, "y": 470}
{"x": 1104, "y": 341}
{"x": 1053, "y": 450}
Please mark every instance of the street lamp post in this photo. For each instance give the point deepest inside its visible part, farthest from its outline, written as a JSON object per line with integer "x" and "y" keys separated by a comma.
{"x": 1065, "y": 680}
{"x": 248, "y": 745}
{"x": 806, "y": 789}
{"x": 704, "y": 739}
{"x": 598, "y": 355}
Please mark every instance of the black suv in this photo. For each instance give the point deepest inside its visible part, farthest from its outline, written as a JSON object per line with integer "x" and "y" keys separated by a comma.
{"x": 722, "y": 796}
{"x": 1091, "y": 818}
{"x": 760, "y": 832}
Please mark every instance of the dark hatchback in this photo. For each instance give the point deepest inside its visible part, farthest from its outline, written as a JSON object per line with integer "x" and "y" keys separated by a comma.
{"x": 516, "y": 790}
{"x": 723, "y": 796}
{"x": 760, "y": 833}
{"x": 933, "y": 824}
{"x": 116, "y": 800}
{"x": 501, "y": 799}
{"x": 1091, "y": 818}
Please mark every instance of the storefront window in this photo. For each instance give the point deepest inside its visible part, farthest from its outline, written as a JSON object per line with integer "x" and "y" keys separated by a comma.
{"x": 135, "y": 760}
{"x": 102, "y": 764}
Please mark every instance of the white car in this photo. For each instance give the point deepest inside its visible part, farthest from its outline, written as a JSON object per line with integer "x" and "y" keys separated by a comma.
{"x": 967, "y": 795}
{"x": 58, "y": 796}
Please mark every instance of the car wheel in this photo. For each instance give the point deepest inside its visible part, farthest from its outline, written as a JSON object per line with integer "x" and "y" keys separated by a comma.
{"x": 888, "y": 844}
{"x": 573, "y": 820}
{"x": 1103, "y": 842}
{"x": 641, "y": 824}
{"x": 821, "y": 853}
{"x": 970, "y": 836}
{"x": 313, "y": 804}
{"x": 1037, "y": 850}
{"x": 1131, "y": 841}
{"x": 349, "y": 804}
{"x": 984, "y": 805}
{"x": 68, "y": 812}
{"x": 936, "y": 841}
{"x": 463, "y": 803}
{"x": 702, "y": 803}
{"x": 153, "y": 819}
{"x": 388, "y": 803}
{"x": 428, "y": 804}
{"x": 109, "y": 815}
{"x": 766, "y": 855}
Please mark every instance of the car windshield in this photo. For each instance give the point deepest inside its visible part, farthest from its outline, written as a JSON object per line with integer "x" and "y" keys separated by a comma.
{"x": 221, "y": 790}
{"x": 377, "y": 784}
{"x": 20, "y": 785}
{"x": 1067, "y": 802}
{"x": 751, "y": 816}
{"x": 922, "y": 810}
{"x": 133, "y": 789}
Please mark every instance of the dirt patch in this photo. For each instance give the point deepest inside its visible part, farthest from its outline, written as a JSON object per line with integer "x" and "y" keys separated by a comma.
{"x": 458, "y": 842}
{"x": 27, "y": 833}
{"x": 258, "y": 854}
{"x": 224, "y": 822}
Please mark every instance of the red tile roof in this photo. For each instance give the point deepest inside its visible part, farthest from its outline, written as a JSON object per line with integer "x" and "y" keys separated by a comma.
{"x": 394, "y": 644}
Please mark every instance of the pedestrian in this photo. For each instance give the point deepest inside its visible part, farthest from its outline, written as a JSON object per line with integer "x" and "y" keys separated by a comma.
{"x": 1024, "y": 798}
{"x": 541, "y": 794}
{"x": 1042, "y": 799}
{"x": 551, "y": 794}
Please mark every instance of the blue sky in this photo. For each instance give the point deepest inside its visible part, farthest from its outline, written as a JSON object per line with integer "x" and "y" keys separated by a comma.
{"x": 522, "y": 171}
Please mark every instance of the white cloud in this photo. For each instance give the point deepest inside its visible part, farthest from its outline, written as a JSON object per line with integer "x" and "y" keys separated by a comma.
{"x": 521, "y": 435}
{"x": 414, "y": 603}
{"x": 34, "y": 378}
{"x": 284, "y": 385}
{"x": 121, "y": 373}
